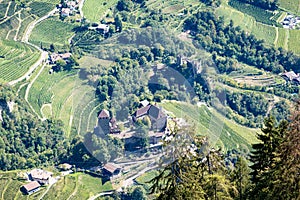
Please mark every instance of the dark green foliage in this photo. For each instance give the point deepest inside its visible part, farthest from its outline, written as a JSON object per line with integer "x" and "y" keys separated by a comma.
{"x": 215, "y": 3}
{"x": 193, "y": 175}
{"x": 260, "y": 14}
{"x": 231, "y": 42}
{"x": 26, "y": 141}
{"x": 252, "y": 106}
{"x": 265, "y": 156}
{"x": 265, "y": 4}
{"x": 124, "y": 5}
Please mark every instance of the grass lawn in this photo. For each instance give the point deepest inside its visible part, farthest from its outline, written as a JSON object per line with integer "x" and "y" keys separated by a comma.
{"x": 225, "y": 133}
{"x": 52, "y": 31}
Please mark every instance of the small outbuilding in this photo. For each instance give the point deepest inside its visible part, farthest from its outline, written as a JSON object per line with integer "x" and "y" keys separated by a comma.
{"x": 31, "y": 187}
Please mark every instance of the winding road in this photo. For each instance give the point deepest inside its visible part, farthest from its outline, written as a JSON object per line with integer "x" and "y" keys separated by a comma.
{"x": 25, "y": 39}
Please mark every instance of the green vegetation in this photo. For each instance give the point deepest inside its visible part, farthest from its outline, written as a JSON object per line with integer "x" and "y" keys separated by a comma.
{"x": 232, "y": 135}
{"x": 77, "y": 186}
{"x": 16, "y": 58}
{"x": 290, "y": 5}
{"x": 41, "y": 8}
{"x": 259, "y": 14}
{"x": 95, "y": 10}
{"x": 52, "y": 31}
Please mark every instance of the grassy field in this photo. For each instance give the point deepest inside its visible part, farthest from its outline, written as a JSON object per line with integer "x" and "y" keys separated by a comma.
{"x": 290, "y": 5}
{"x": 64, "y": 96}
{"x": 94, "y": 10}
{"x": 77, "y": 186}
{"x": 10, "y": 187}
{"x": 225, "y": 133}
{"x": 15, "y": 59}
{"x": 52, "y": 31}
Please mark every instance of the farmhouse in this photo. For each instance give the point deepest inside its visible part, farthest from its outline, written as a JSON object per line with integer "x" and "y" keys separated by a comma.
{"x": 65, "y": 12}
{"x": 41, "y": 176}
{"x": 31, "y": 187}
{"x": 103, "y": 27}
{"x": 157, "y": 117}
{"x": 111, "y": 169}
{"x": 54, "y": 57}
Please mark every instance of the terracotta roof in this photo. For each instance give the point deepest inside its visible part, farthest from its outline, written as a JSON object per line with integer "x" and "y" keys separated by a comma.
{"x": 40, "y": 174}
{"x": 142, "y": 111}
{"x": 103, "y": 114}
{"x": 31, "y": 186}
{"x": 111, "y": 167}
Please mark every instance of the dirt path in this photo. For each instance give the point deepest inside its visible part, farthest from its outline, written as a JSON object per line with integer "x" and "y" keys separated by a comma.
{"x": 44, "y": 54}
{"x": 19, "y": 26}
{"x": 276, "y": 37}
{"x": 78, "y": 179}
{"x": 286, "y": 41}
{"x": 80, "y": 8}
{"x": 5, "y": 15}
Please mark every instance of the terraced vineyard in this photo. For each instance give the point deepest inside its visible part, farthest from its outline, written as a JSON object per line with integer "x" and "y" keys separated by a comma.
{"x": 63, "y": 96}
{"x": 82, "y": 186}
{"x": 52, "y": 31}
{"x": 15, "y": 59}
{"x": 232, "y": 136}
{"x": 290, "y": 5}
{"x": 280, "y": 37}
{"x": 94, "y": 10}
{"x": 77, "y": 186}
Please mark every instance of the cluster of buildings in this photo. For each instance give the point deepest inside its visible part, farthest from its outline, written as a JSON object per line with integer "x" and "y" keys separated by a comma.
{"x": 108, "y": 125}
{"x": 292, "y": 77}
{"x": 54, "y": 57}
{"x": 103, "y": 28}
{"x": 68, "y": 8}
{"x": 290, "y": 22}
{"x": 37, "y": 178}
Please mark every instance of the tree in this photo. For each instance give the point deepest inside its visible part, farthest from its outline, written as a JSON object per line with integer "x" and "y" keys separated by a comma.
{"x": 284, "y": 177}
{"x": 241, "y": 177}
{"x": 138, "y": 193}
{"x": 265, "y": 157}
{"x": 118, "y": 23}
{"x": 125, "y": 5}
{"x": 194, "y": 170}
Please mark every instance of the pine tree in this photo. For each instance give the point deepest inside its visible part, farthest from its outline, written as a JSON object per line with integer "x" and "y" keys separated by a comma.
{"x": 286, "y": 176}
{"x": 265, "y": 158}
{"x": 241, "y": 177}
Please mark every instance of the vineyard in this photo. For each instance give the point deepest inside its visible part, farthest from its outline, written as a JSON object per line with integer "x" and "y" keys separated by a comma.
{"x": 290, "y": 5}
{"x": 94, "y": 10}
{"x": 259, "y": 14}
{"x": 15, "y": 59}
{"x": 63, "y": 96}
{"x": 52, "y": 31}
{"x": 203, "y": 119}
{"x": 280, "y": 37}
{"x": 79, "y": 185}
